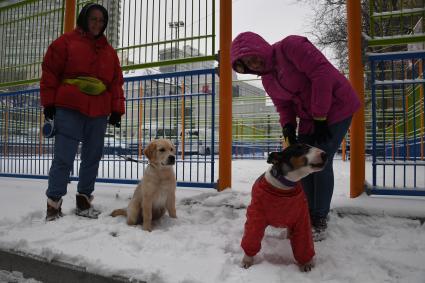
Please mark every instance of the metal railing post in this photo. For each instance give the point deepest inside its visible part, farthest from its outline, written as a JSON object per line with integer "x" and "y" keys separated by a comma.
{"x": 69, "y": 19}
{"x": 225, "y": 159}
{"x": 357, "y": 142}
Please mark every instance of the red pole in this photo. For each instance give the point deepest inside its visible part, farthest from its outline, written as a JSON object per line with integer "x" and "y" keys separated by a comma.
{"x": 225, "y": 120}
{"x": 357, "y": 143}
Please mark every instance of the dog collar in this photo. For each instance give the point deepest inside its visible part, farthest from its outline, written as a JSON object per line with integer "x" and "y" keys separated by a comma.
{"x": 282, "y": 178}
{"x": 285, "y": 181}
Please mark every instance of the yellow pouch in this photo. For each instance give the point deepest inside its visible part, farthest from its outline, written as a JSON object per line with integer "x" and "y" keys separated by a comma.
{"x": 87, "y": 85}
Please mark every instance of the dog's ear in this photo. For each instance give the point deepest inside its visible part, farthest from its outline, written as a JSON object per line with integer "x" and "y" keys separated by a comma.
{"x": 149, "y": 151}
{"x": 273, "y": 158}
{"x": 298, "y": 162}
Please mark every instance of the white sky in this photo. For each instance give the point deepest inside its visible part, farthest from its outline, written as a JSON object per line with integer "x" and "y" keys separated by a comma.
{"x": 274, "y": 20}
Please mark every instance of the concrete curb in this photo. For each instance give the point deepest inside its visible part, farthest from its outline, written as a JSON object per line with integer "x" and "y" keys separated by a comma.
{"x": 52, "y": 271}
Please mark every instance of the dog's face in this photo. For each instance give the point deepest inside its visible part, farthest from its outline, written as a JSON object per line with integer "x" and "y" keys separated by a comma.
{"x": 298, "y": 160}
{"x": 161, "y": 152}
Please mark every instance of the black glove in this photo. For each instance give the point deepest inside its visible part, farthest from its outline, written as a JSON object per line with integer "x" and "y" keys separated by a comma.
{"x": 115, "y": 119}
{"x": 321, "y": 132}
{"x": 289, "y": 136}
{"x": 49, "y": 112}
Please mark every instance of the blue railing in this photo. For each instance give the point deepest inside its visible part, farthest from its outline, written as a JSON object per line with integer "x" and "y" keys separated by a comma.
{"x": 397, "y": 84}
{"x": 173, "y": 105}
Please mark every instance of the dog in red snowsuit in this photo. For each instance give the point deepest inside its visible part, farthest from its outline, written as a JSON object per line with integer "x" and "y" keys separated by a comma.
{"x": 278, "y": 200}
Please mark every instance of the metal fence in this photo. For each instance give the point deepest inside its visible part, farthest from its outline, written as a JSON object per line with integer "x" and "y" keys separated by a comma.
{"x": 397, "y": 83}
{"x": 396, "y": 22}
{"x": 145, "y": 33}
{"x": 176, "y": 106}
{"x": 26, "y": 29}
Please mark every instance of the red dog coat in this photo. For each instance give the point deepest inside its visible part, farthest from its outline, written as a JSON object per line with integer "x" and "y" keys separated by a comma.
{"x": 279, "y": 208}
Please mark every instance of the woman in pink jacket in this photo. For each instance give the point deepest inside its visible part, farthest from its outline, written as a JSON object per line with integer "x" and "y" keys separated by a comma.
{"x": 305, "y": 88}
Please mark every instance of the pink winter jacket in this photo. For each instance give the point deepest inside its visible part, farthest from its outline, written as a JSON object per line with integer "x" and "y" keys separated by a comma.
{"x": 299, "y": 79}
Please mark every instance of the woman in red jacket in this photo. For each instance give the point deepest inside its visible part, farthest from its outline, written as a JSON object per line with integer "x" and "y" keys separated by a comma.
{"x": 81, "y": 85}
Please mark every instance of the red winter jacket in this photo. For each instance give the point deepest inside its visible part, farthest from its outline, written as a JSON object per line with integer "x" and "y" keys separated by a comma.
{"x": 278, "y": 208}
{"x": 299, "y": 79}
{"x": 78, "y": 53}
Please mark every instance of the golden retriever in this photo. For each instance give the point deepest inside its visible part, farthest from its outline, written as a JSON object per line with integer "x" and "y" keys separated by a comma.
{"x": 156, "y": 192}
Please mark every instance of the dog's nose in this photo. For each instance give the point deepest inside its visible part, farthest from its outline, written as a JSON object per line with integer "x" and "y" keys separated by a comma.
{"x": 171, "y": 159}
{"x": 324, "y": 156}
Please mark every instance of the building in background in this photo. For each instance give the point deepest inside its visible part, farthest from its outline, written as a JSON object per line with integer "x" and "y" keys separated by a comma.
{"x": 254, "y": 116}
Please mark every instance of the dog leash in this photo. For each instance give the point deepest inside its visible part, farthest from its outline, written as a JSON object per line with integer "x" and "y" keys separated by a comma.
{"x": 127, "y": 158}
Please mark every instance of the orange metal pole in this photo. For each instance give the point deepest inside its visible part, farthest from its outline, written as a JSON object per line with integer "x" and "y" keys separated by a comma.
{"x": 140, "y": 137}
{"x": 421, "y": 93}
{"x": 69, "y": 20}
{"x": 406, "y": 119}
{"x": 237, "y": 135}
{"x": 6, "y": 130}
{"x": 183, "y": 119}
{"x": 406, "y": 125}
{"x": 343, "y": 148}
{"x": 357, "y": 133}
{"x": 40, "y": 135}
{"x": 393, "y": 146}
{"x": 225, "y": 120}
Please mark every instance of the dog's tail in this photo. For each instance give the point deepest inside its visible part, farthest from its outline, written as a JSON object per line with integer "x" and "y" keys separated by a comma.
{"x": 118, "y": 212}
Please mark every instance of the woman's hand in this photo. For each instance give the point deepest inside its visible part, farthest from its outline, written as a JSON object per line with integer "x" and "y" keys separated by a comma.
{"x": 115, "y": 119}
{"x": 321, "y": 131}
{"x": 49, "y": 112}
{"x": 289, "y": 136}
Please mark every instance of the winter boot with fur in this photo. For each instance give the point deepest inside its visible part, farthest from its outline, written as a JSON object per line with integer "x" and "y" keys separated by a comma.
{"x": 54, "y": 210}
{"x": 84, "y": 207}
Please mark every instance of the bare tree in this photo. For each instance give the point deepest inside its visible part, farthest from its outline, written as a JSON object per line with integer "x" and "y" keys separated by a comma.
{"x": 329, "y": 27}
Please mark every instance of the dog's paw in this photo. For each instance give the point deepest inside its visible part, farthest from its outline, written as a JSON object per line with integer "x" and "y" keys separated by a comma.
{"x": 288, "y": 233}
{"x": 147, "y": 228}
{"x": 247, "y": 261}
{"x": 307, "y": 267}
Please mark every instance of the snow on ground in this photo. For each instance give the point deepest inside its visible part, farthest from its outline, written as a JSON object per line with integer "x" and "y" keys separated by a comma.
{"x": 371, "y": 239}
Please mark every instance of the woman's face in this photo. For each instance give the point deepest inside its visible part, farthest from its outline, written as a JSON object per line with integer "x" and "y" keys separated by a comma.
{"x": 96, "y": 22}
{"x": 254, "y": 63}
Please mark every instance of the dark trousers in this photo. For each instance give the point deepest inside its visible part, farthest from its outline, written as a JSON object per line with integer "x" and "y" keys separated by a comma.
{"x": 72, "y": 127}
{"x": 319, "y": 186}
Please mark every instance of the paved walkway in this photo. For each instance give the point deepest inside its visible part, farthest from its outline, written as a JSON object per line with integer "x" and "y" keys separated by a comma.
{"x": 53, "y": 271}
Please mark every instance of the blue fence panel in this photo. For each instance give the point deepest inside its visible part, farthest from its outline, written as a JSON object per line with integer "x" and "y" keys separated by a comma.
{"x": 397, "y": 85}
{"x": 173, "y": 105}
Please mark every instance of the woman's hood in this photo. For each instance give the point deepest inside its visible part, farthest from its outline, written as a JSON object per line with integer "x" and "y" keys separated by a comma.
{"x": 250, "y": 43}
{"x": 82, "y": 20}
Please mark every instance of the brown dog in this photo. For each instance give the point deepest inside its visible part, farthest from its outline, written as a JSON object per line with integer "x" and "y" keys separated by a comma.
{"x": 156, "y": 192}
